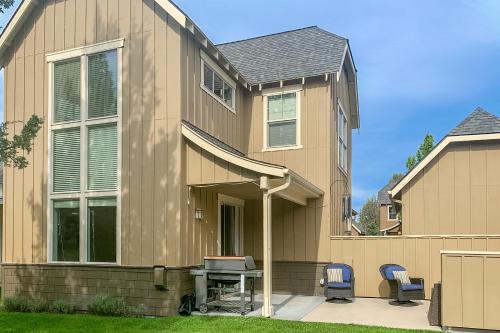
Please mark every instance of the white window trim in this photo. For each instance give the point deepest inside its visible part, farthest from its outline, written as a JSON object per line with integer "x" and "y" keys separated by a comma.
{"x": 389, "y": 214}
{"x": 280, "y": 91}
{"x": 205, "y": 59}
{"x": 83, "y": 195}
{"x": 343, "y": 168}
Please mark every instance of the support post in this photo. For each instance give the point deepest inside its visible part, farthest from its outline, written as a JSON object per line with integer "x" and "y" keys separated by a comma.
{"x": 267, "y": 309}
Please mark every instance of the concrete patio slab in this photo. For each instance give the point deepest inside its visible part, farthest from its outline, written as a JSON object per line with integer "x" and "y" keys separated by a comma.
{"x": 287, "y": 307}
{"x": 373, "y": 312}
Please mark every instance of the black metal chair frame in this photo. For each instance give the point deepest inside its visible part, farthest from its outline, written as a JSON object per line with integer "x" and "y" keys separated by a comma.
{"x": 403, "y": 296}
{"x": 338, "y": 293}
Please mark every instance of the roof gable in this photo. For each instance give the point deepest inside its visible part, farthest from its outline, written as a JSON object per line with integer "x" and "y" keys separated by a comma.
{"x": 478, "y": 122}
{"x": 480, "y": 125}
{"x": 383, "y": 194}
{"x": 288, "y": 55}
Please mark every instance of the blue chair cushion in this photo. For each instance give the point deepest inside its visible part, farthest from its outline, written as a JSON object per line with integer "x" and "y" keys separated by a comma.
{"x": 390, "y": 269}
{"x": 346, "y": 272}
{"x": 339, "y": 285}
{"x": 407, "y": 287}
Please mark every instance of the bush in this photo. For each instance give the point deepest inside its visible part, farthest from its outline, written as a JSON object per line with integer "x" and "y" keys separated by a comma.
{"x": 16, "y": 304}
{"x": 61, "y": 306}
{"x": 38, "y": 304}
{"x": 108, "y": 306}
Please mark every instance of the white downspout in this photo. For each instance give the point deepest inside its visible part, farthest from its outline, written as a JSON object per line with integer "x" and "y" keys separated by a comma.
{"x": 267, "y": 308}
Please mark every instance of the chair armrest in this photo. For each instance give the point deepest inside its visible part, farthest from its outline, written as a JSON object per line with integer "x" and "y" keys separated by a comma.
{"x": 419, "y": 281}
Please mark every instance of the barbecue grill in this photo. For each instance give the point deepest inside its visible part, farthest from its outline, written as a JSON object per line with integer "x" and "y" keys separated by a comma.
{"x": 226, "y": 283}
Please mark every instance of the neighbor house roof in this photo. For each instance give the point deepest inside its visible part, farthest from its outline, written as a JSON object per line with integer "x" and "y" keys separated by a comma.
{"x": 383, "y": 194}
{"x": 287, "y": 55}
{"x": 480, "y": 125}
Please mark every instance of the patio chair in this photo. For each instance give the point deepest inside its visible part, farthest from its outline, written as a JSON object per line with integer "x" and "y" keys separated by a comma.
{"x": 339, "y": 290}
{"x": 404, "y": 293}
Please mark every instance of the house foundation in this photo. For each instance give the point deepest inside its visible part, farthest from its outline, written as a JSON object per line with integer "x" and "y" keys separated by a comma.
{"x": 78, "y": 285}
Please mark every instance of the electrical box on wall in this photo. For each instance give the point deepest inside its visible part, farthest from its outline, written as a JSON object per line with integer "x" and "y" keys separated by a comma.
{"x": 160, "y": 277}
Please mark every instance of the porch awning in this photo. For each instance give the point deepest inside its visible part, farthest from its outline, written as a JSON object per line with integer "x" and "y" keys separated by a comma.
{"x": 299, "y": 190}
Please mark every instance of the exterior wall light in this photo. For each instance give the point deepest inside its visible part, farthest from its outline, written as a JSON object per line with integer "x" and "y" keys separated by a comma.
{"x": 198, "y": 214}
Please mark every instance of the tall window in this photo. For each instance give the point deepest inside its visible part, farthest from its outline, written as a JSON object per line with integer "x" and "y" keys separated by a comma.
{"x": 84, "y": 182}
{"x": 281, "y": 119}
{"x": 342, "y": 138}
{"x": 217, "y": 83}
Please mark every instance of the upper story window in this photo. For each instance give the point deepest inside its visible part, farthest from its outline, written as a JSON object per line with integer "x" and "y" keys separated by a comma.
{"x": 282, "y": 119}
{"x": 84, "y": 160}
{"x": 342, "y": 137}
{"x": 217, "y": 83}
{"x": 392, "y": 214}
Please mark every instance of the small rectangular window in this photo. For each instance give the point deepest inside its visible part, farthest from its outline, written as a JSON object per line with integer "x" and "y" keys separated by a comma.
{"x": 216, "y": 83}
{"x": 67, "y": 90}
{"x": 102, "y": 157}
{"x": 342, "y": 138}
{"x": 282, "y": 120}
{"x": 102, "y": 83}
{"x": 66, "y": 231}
{"x": 101, "y": 231}
{"x": 66, "y": 160}
{"x": 393, "y": 214}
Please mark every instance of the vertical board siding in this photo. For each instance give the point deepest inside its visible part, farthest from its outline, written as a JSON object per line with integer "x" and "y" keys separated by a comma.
{"x": 470, "y": 292}
{"x": 150, "y": 123}
{"x": 420, "y": 255}
{"x": 457, "y": 193}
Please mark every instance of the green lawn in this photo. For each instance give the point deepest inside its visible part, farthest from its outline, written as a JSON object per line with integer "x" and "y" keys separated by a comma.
{"x": 28, "y": 322}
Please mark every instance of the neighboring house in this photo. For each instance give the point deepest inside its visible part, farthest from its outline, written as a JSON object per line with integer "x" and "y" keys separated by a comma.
{"x": 160, "y": 147}
{"x": 389, "y": 221}
{"x": 455, "y": 190}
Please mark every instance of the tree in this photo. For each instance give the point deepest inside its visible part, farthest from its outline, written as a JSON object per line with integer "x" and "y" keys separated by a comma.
{"x": 424, "y": 149}
{"x": 13, "y": 150}
{"x": 5, "y": 4}
{"x": 396, "y": 177}
{"x": 370, "y": 217}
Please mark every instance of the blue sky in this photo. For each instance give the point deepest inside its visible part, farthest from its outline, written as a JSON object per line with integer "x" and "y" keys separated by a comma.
{"x": 422, "y": 65}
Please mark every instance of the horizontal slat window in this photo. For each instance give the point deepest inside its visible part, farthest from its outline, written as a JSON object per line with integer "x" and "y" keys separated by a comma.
{"x": 66, "y": 160}
{"x": 102, "y": 83}
{"x": 67, "y": 90}
{"x": 102, "y": 157}
{"x": 214, "y": 82}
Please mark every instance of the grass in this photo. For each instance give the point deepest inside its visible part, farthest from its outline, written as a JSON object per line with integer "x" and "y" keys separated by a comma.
{"x": 46, "y": 322}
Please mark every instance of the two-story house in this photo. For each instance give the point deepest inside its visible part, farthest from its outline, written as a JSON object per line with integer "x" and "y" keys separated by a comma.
{"x": 159, "y": 148}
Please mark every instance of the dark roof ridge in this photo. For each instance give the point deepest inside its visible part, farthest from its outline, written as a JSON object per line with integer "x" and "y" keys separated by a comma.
{"x": 267, "y": 35}
{"x": 478, "y": 121}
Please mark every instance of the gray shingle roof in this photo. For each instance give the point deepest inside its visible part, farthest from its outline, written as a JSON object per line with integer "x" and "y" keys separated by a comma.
{"x": 478, "y": 122}
{"x": 383, "y": 195}
{"x": 288, "y": 55}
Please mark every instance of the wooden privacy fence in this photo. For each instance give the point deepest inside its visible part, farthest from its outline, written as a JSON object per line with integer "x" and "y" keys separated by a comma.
{"x": 421, "y": 255}
{"x": 471, "y": 289}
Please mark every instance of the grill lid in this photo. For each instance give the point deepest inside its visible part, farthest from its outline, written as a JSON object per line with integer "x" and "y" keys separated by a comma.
{"x": 229, "y": 263}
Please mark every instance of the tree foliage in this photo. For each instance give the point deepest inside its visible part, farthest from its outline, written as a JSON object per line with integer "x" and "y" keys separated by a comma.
{"x": 370, "y": 217}
{"x": 14, "y": 148}
{"x": 422, "y": 151}
{"x": 5, "y": 4}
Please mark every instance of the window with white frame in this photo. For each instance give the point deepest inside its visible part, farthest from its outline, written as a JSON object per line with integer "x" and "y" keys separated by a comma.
{"x": 84, "y": 160}
{"x": 216, "y": 82}
{"x": 392, "y": 214}
{"x": 342, "y": 138}
{"x": 282, "y": 119}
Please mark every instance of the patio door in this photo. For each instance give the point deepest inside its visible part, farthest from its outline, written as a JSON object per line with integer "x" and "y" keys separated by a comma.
{"x": 230, "y": 240}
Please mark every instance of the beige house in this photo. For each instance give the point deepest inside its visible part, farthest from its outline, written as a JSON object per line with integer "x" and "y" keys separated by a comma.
{"x": 389, "y": 220}
{"x": 159, "y": 148}
{"x": 455, "y": 190}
